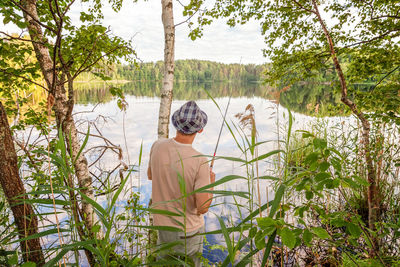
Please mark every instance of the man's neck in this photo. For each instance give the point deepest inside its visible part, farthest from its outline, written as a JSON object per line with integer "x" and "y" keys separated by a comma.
{"x": 184, "y": 139}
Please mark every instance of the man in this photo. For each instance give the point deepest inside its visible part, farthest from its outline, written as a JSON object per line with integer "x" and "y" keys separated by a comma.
{"x": 173, "y": 161}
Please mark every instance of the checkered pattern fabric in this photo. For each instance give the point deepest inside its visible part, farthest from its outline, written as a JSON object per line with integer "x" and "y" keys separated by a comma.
{"x": 189, "y": 118}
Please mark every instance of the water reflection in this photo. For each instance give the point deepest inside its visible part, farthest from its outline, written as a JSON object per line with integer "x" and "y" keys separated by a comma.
{"x": 307, "y": 98}
{"x": 93, "y": 93}
{"x": 313, "y": 99}
{"x": 138, "y": 125}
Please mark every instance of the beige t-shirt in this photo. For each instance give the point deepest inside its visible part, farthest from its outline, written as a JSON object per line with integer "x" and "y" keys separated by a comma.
{"x": 167, "y": 157}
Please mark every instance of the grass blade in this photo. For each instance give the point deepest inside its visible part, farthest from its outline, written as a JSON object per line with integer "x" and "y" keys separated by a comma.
{"x": 227, "y": 239}
{"x": 277, "y": 200}
{"x": 223, "y": 180}
{"x": 83, "y": 145}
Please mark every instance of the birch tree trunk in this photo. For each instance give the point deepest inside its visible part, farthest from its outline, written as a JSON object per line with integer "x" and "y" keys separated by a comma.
{"x": 373, "y": 200}
{"x": 62, "y": 105}
{"x": 14, "y": 191}
{"x": 169, "y": 66}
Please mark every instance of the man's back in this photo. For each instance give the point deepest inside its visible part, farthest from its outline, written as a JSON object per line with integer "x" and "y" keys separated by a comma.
{"x": 169, "y": 160}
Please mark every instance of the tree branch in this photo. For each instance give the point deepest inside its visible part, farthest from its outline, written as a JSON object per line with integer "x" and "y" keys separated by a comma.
{"x": 18, "y": 38}
{"x": 24, "y": 78}
{"x": 188, "y": 19}
{"x": 384, "y": 77}
{"x": 303, "y": 7}
{"x": 97, "y": 60}
{"x": 33, "y": 18}
{"x": 374, "y": 38}
{"x": 68, "y": 7}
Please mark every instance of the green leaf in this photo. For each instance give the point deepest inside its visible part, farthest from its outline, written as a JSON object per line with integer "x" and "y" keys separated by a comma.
{"x": 268, "y": 177}
{"x": 288, "y": 238}
{"x": 289, "y": 131}
{"x": 268, "y": 248}
{"x": 260, "y": 240}
{"x": 61, "y": 144}
{"x": 100, "y": 211}
{"x": 242, "y": 194}
{"x": 13, "y": 260}
{"x": 96, "y": 228}
{"x": 361, "y": 181}
{"x": 93, "y": 203}
{"x": 231, "y": 159}
{"x": 41, "y": 234}
{"x": 227, "y": 239}
{"x": 264, "y": 156}
{"x": 322, "y": 176}
{"x": 161, "y": 228}
{"x": 265, "y": 222}
{"x": 218, "y": 182}
{"x": 83, "y": 145}
{"x": 307, "y": 237}
{"x": 28, "y": 264}
{"x": 309, "y": 195}
{"x": 167, "y": 246}
{"x": 118, "y": 192}
{"x": 102, "y": 76}
{"x": 321, "y": 233}
{"x": 324, "y": 166}
{"x": 46, "y": 202}
{"x": 54, "y": 260}
{"x": 182, "y": 185}
{"x": 277, "y": 200}
{"x": 159, "y": 211}
{"x": 253, "y": 231}
{"x": 351, "y": 183}
{"x": 354, "y": 230}
{"x": 140, "y": 153}
{"x": 311, "y": 158}
{"x": 306, "y": 134}
{"x": 172, "y": 262}
{"x": 319, "y": 143}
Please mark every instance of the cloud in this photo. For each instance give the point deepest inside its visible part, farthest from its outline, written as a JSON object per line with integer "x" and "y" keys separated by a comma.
{"x": 141, "y": 22}
{"x": 219, "y": 42}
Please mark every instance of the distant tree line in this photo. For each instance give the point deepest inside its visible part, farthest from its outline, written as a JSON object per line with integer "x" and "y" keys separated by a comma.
{"x": 193, "y": 70}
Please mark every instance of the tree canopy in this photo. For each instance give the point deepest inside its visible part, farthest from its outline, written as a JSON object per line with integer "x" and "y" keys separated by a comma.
{"x": 366, "y": 36}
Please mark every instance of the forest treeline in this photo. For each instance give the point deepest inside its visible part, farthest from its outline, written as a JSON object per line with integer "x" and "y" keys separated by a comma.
{"x": 203, "y": 70}
{"x": 192, "y": 70}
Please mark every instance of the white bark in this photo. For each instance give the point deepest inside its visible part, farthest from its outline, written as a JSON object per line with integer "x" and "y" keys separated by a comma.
{"x": 61, "y": 106}
{"x": 169, "y": 66}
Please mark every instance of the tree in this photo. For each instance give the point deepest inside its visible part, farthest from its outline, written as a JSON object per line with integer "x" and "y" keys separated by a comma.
{"x": 169, "y": 67}
{"x": 63, "y": 51}
{"x": 305, "y": 36}
{"x": 14, "y": 191}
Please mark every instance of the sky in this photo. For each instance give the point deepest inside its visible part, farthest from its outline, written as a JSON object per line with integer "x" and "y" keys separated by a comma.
{"x": 141, "y": 22}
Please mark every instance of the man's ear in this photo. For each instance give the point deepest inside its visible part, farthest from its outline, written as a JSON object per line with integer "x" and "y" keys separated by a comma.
{"x": 201, "y": 130}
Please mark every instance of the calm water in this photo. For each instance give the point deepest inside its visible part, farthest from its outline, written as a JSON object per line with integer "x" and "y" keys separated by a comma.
{"x": 138, "y": 125}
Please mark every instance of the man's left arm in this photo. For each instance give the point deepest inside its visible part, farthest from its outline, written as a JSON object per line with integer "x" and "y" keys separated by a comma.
{"x": 203, "y": 200}
{"x": 149, "y": 172}
{"x": 204, "y": 177}
{"x": 149, "y": 167}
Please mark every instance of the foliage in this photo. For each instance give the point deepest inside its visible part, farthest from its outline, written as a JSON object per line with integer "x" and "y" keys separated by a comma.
{"x": 364, "y": 34}
{"x": 193, "y": 70}
{"x": 75, "y": 48}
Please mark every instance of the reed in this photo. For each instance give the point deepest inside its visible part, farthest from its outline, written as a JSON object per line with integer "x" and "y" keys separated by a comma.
{"x": 316, "y": 216}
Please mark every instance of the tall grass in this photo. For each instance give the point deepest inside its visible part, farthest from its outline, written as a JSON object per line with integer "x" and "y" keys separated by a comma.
{"x": 317, "y": 214}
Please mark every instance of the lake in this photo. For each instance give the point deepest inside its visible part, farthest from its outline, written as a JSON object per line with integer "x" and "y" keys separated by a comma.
{"x": 137, "y": 126}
